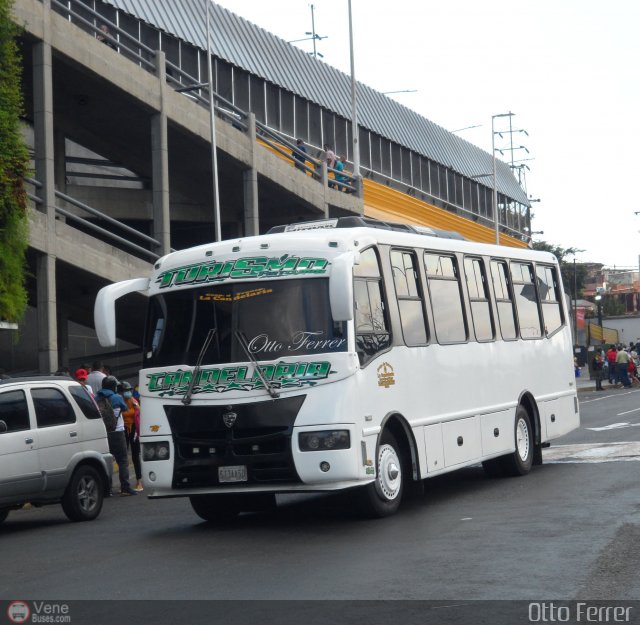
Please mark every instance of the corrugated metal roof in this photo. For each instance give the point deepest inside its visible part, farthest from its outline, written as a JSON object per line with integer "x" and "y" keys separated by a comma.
{"x": 246, "y": 45}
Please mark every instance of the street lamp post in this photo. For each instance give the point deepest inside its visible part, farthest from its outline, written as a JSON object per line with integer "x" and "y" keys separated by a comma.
{"x": 599, "y": 303}
{"x": 495, "y": 187}
{"x": 354, "y": 111}
{"x": 212, "y": 125}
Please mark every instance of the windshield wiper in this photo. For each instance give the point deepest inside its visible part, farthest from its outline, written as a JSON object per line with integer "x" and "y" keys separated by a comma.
{"x": 242, "y": 339}
{"x": 186, "y": 400}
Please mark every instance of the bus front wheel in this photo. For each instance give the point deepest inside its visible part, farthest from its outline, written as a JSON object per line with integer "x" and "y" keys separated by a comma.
{"x": 521, "y": 460}
{"x": 382, "y": 497}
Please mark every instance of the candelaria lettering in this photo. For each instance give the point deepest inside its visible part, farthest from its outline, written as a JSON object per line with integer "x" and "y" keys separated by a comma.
{"x": 241, "y": 269}
{"x": 221, "y": 379}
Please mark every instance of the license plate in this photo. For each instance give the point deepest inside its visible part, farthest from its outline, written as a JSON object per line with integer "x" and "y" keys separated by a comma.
{"x": 236, "y": 473}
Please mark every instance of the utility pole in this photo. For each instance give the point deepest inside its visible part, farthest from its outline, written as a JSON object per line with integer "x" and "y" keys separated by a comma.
{"x": 314, "y": 36}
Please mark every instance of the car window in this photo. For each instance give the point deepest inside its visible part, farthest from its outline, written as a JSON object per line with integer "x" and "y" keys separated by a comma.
{"x": 81, "y": 396}
{"x": 14, "y": 411}
{"x": 52, "y": 407}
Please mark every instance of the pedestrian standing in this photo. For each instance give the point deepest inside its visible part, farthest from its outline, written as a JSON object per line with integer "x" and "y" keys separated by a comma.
{"x": 81, "y": 376}
{"x": 117, "y": 439}
{"x": 300, "y": 155}
{"x": 94, "y": 379}
{"x": 622, "y": 367}
{"x": 597, "y": 366}
{"x": 611, "y": 359}
{"x": 131, "y": 418}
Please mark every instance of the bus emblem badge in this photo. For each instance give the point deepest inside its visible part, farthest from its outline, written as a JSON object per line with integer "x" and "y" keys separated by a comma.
{"x": 229, "y": 418}
{"x": 386, "y": 376}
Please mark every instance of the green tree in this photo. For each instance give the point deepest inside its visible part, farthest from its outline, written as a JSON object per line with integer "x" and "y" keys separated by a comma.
{"x": 14, "y": 162}
{"x": 612, "y": 307}
{"x": 572, "y": 273}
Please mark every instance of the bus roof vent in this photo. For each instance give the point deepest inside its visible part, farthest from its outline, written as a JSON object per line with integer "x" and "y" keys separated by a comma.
{"x": 365, "y": 222}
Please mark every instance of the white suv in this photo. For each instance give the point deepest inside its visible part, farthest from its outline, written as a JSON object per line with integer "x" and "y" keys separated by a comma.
{"x": 53, "y": 447}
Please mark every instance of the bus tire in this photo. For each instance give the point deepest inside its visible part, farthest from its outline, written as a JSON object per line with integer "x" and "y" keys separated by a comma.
{"x": 521, "y": 460}
{"x": 215, "y": 508}
{"x": 82, "y": 501}
{"x": 382, "y": 497}
{"x": 4, "y": 513}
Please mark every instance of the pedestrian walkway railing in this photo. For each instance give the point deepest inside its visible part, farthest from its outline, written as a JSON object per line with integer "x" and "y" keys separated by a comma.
{"x": 103, "y": 231}
{"x": 131, "y": 47}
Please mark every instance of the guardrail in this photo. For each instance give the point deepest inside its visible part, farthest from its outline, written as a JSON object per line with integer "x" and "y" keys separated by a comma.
{"x": 90, "y": 225}
{"x": 183, "y": 82}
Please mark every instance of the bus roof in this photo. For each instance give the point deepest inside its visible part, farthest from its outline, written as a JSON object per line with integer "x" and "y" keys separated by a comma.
{"x": 336, "y": 236}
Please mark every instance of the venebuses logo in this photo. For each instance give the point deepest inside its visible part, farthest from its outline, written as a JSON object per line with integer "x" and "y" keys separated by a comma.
{"x": 18, "y": 612}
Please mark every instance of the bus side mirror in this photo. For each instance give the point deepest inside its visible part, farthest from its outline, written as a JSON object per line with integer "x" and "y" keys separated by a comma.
{"x": 341, "y": 287}
{"x": 104, "y": 310}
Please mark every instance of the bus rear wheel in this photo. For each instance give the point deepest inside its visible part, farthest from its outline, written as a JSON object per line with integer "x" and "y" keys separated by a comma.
{"x": 382, "y": 497}
{"x": 521, "y": 460}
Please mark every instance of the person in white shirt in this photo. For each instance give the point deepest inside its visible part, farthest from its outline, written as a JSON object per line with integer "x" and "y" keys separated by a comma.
{"x": 94, "y": 379}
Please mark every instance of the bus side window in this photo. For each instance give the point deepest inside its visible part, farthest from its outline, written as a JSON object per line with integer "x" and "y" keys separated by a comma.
{"x": 549, "y": 291}
{"x": 372, "y": 330}
{"x": 478, "y": 290}
{"x": 446, "y": 298}
{"x": 504, "y": 300}
{"x": 405, "y": 278}
{"x": 526, "y": 300}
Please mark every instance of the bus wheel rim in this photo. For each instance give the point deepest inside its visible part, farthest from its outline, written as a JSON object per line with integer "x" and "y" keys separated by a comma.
{"x": 522, "y": 439}
{"x": 389, "y": 472}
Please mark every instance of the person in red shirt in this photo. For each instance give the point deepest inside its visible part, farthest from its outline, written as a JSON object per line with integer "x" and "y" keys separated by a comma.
{"x": 611, "y": 359}
{"x": 633, "y": 373}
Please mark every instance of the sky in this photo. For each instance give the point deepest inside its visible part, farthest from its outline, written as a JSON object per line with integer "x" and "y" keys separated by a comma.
{"x": 568, "y": 69}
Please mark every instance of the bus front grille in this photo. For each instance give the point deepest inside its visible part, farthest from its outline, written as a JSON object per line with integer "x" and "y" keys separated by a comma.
{"x": 258, "y": 438}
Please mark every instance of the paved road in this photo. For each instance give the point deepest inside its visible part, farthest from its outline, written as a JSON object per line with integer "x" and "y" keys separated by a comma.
{"x": 570, "y": 529}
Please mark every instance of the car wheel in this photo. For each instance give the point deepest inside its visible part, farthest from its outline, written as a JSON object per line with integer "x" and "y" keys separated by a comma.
{"x": 521, "y": 460}
{"x": 82, "y": 501}
{"x": 4, "y": 513}
{"x": 382, "y": 497}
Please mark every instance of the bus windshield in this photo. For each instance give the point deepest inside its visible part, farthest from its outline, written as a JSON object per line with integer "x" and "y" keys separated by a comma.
{"x": 279, "y": 318}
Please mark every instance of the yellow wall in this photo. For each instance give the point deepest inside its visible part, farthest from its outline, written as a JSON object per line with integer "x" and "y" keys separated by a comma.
{"x": 386, "y": 204}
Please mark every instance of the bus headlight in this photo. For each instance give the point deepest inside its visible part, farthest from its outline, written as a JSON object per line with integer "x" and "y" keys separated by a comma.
{"x": 155, "y": 451}
{"x": 324, "y": 440}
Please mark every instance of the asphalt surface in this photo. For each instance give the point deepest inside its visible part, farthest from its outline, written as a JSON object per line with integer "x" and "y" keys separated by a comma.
{"x": 569, "y": 530}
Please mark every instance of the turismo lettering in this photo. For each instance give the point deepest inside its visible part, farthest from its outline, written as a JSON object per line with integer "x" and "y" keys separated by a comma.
{"x": 242, "y": 268}
{"x": 242, "y": 378}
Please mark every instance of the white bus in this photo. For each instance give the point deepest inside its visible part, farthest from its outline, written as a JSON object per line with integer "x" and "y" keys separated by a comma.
{"x": 345, "y": 353}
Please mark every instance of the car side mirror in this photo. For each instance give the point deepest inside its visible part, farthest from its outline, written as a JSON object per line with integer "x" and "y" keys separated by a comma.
{"x": 3, "y": 427}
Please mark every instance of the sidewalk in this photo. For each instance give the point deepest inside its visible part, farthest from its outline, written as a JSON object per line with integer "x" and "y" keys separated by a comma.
{"x": 583, "y": 383}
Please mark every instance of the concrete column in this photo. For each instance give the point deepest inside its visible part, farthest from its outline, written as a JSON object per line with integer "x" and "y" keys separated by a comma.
{"x": 47, "y": 321}
{"x": 160, "y": 164}
{"x": 250, "y": 186}
{"x": 45, "y": 173}
{"x": 63, "y": 337}
{"x": 59, "y": 161}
